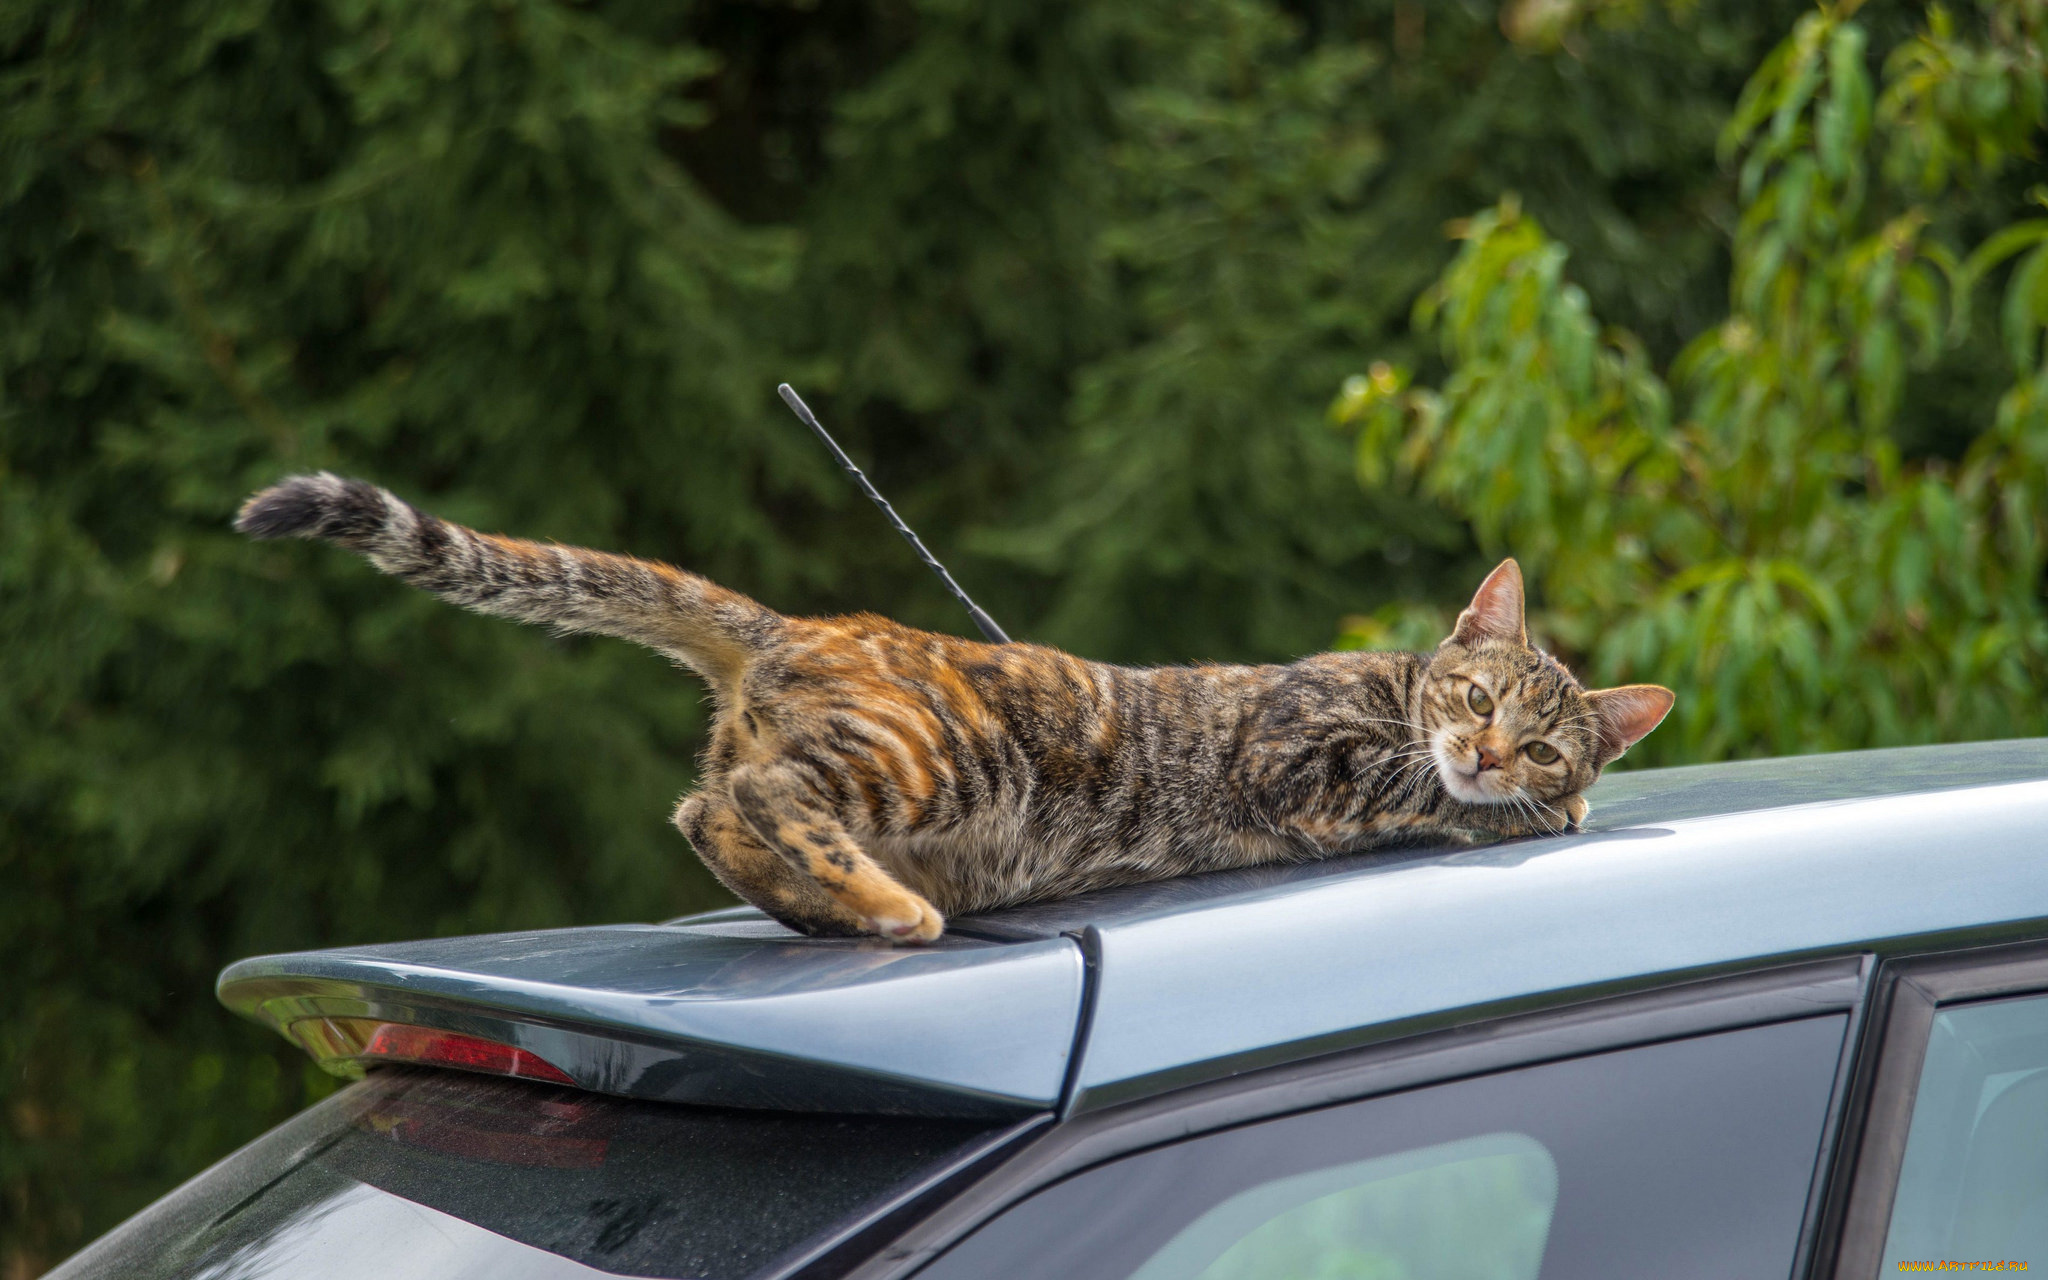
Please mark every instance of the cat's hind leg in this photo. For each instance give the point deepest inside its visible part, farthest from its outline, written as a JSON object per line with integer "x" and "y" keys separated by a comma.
{"x": 759, "y": 874}
{"x": 790, "y": 813}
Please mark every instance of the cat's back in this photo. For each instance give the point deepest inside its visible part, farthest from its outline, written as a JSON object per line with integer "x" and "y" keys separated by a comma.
{"x": 1024, "y": 698}
{"x": 984, "y": 774}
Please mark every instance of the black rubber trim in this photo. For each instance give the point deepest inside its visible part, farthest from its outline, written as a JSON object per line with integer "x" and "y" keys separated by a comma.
{"x": 1755, "y": 998}
{"x": 1850, "y": 1068}
{"x": 1908, "y": 993}
{"x": 859, "y": 1238}
{"x": 1089, "y": 939}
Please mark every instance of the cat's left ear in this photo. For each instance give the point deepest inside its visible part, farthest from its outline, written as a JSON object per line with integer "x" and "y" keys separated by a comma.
{"x": 1622, "y": 716}
{"x": 1496, "y": 610}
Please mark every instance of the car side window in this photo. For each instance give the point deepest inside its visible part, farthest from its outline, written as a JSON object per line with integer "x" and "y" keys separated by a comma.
{"x": 1973, "y": 1184}
{"x": 1688, "y": 1158}
{"x": 1478, "y": 1206}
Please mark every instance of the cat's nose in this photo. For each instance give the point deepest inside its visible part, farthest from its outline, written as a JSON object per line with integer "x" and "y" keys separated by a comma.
{"x": 1488, "y": 757}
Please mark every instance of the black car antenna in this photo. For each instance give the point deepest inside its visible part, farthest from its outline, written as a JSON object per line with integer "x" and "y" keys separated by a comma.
{"x": 987, "y": 624}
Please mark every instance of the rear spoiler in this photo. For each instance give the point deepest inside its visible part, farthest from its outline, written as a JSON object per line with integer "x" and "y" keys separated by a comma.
{"x": 727, "y": 1009}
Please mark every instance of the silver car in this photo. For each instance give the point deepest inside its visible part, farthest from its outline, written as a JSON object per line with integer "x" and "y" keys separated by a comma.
{"x": 1777, "y": 1018}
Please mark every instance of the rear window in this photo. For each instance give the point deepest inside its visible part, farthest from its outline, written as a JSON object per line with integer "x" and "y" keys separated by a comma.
{"x": 415, "y": 1173}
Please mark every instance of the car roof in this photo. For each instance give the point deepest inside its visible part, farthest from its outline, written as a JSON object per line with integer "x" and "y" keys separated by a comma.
{"x": 1122, "y": 994}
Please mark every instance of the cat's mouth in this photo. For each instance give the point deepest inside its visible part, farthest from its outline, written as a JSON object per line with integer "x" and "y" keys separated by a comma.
{"x": 1465, "y": 780}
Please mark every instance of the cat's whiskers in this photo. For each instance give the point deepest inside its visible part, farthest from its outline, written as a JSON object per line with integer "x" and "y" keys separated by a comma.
{"x": 1422, "y": 761}
{"x": 1412, "y": 747}
{"x": 1523, "y": 801}
{"x": 1554, "y": 825}
{"x": 1402, "y": 785}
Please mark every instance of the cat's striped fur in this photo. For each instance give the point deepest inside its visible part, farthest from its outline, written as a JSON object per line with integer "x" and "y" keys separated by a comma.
{"x": 863, "y": 777}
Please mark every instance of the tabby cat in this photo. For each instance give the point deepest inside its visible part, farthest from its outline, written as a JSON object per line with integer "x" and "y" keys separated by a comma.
{"x": 863, "y": 777}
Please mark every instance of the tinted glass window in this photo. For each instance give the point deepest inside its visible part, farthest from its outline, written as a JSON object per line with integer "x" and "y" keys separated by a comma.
{"x": 430, "y": 1174}
{"x": 1691, "y": 1158}
{"x": 1477, "y": 1207}
{"x": 1974, "y": 1182}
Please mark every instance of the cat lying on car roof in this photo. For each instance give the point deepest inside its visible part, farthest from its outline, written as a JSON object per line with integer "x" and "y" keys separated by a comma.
{"x": 866, "y": 777}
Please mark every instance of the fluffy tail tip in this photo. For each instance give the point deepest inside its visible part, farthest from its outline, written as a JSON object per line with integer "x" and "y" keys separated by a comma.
{"x": 315, "y": 506}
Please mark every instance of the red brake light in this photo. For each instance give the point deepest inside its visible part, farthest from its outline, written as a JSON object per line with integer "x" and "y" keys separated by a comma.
{"x": 432, "y": 1047}
{"x": 341, "y": 1045}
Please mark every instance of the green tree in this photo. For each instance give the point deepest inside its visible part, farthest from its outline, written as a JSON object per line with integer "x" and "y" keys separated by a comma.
{"x": 1280, "y": 184}
{"x": 1074, "y": 277}
{"x": 439, "y": 245}
{"x": 1748, "y": 530}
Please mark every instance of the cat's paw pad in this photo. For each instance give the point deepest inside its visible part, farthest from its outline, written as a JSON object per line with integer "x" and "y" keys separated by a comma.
{"x": 920, "y": 922}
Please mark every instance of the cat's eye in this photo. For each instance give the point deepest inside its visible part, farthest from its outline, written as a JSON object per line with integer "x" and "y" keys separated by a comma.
{"x": 1475, "y": 697}
{"x": 1542, "y": 752}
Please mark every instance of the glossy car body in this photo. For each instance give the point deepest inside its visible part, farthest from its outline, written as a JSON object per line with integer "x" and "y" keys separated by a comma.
{"x": 1710, "y": 906}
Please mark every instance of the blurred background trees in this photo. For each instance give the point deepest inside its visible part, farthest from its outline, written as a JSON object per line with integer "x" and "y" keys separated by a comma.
{"x": 1782, "y": 524}
{"x": 1738, "y": 347}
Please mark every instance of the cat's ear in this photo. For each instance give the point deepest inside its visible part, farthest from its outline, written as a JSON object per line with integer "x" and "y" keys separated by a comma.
{"x": 1496, "y": 610}
{"x": 1622, "y": 716}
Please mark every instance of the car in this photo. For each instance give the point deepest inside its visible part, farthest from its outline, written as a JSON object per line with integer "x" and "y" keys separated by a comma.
{"x": 1769, "y": 1018}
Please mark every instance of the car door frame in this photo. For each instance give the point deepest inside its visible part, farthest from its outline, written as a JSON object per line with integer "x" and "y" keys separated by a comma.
{"x": 1595, "y": 1023}
{"x": 1908, "y": 992}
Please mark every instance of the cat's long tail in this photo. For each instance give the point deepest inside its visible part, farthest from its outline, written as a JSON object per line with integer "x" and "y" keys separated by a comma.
{"x": 690, "y": 618}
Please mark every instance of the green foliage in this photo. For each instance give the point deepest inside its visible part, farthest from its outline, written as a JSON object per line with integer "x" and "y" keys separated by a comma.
{"x": 436, "y": 245}
{"x": 1276, "y": 199}
{"x": 1075, "y": 278}
{"x": 1765, "y": 547}
{"x": 1232, "y": 157}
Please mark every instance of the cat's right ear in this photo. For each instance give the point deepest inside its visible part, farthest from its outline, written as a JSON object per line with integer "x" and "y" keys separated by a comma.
{"x": 1495, "y": 613}
{"x": 1622, "y": 716}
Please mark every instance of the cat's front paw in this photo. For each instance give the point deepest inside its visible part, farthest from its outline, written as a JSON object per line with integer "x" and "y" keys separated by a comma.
{"x": 1575, "y": 811}
{"x": 912, "y": 922}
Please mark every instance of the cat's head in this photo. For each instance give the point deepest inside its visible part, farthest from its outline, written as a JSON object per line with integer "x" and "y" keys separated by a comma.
{"x": 1506, "y": 723}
